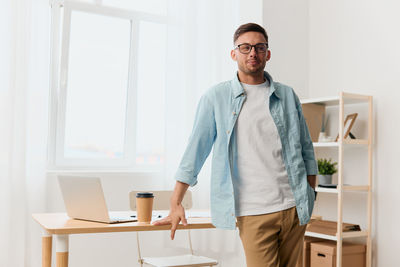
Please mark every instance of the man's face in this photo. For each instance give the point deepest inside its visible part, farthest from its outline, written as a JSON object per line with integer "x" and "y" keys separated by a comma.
{"x": 252, "y": 63}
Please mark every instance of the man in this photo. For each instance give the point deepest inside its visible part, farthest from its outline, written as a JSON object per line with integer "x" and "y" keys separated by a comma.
{"x": 263, "y": 166}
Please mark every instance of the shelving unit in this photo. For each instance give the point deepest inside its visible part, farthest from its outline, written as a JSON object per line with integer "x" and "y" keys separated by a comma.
{"x": 340, "y": 101}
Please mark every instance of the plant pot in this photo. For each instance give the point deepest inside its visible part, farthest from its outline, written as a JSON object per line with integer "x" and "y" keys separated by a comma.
{"x": 324, "y": 178}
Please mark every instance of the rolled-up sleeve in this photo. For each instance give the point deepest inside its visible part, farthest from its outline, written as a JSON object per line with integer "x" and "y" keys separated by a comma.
{"x": 200, "y": 143}
{"x": 306, "y": 143}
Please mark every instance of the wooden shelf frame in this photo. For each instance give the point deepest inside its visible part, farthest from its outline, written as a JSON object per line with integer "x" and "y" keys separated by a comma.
{"x": 343, "y": 99}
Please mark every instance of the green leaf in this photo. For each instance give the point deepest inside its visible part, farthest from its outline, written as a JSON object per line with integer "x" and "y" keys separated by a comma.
{"x": 326, "y": 167}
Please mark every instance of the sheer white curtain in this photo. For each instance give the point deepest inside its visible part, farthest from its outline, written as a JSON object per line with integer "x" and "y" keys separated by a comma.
{"x": 24, "y": 52}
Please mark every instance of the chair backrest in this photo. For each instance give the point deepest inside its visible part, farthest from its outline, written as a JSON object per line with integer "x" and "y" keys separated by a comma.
{"x": 162, "y": 199}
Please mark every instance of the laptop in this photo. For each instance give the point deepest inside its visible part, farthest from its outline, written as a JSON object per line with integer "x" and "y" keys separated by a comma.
{"x": 84, "y": 200}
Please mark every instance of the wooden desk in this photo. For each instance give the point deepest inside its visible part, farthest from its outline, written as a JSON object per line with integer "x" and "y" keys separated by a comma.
{"x": 61, "y": 226}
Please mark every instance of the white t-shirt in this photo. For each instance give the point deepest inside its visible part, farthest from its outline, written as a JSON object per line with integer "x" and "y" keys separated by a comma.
{"x": 263, "y": 184}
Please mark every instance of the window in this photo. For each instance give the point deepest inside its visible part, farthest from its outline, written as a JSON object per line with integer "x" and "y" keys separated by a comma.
{"x": 108, "y": 102}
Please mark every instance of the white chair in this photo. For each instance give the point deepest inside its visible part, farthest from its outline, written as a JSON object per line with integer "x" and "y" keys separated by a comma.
{"x": 161, "y": 202}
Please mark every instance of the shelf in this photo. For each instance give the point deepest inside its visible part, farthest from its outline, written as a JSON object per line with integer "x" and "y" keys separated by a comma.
{"x": 337, "y": 106}
{"x": 327, "y": 101}
{"x": 326, "y": 190}
{"x": 335, "y": 100}
{"x": 361, "y": 188}
{"x": 323, "y": 236}
{"x": 326, "y": 144}
{"x": 350, "y": 234}
{"x": 363, "y": 142}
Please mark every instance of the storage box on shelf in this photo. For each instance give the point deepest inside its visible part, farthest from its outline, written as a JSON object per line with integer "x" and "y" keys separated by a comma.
{"x": 305, "y": 259}
{"x": 323, "y": 254}
{"x": 312, "y": 108}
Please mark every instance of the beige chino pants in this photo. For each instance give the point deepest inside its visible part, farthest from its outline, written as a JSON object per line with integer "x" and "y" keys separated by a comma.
{"x": 272, "y": 240}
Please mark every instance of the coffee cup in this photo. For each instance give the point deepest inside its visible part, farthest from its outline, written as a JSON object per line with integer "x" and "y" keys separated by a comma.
{"x": 144, "y": 206}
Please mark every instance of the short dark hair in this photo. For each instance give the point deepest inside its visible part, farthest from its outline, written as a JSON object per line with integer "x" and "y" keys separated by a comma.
{"x": 249, "y": 27}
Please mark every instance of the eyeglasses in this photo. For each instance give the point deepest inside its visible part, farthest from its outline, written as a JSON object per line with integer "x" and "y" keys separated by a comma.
{"x": 246, "y": 48}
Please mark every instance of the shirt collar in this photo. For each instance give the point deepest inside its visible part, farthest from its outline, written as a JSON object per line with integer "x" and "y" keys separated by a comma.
{"x": 238, "y": 88}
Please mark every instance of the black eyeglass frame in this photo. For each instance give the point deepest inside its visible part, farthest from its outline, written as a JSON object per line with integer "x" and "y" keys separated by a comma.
{"x": 251, "y": 47}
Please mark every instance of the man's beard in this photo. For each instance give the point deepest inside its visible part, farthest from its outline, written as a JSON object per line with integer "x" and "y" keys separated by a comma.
{"x": 247, "y": 70}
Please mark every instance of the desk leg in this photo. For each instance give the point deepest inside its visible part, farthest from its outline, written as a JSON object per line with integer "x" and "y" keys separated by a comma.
{"x": 47, "y": 242}
{"x": 62, "y": 250}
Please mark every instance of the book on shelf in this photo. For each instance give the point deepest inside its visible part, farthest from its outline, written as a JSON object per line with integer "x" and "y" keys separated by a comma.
{"x": 330, "y": 227}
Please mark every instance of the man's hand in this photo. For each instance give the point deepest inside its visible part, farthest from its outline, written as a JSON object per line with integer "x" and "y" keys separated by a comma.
{"x": 176, "y": 212}
{"x": 311, "y": 180}
{"x": 176, "y": 215}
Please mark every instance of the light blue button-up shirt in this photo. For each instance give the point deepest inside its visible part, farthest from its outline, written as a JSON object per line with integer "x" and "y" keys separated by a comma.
{"x": 214, "y": 123}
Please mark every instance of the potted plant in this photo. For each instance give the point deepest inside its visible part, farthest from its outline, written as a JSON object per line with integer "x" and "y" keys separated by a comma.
{"x": 325, "y": 170}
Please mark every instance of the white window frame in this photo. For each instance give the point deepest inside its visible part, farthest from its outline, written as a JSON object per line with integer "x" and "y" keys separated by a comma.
{"x": 60, "y": 39}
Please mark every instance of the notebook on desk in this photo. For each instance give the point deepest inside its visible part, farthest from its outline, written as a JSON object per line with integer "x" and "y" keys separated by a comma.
{"x": 84, "y": 200}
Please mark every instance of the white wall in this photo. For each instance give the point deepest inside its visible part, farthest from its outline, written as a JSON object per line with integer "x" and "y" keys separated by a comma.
{"x": 286, "y": 23}
{"x": 354, "y": 47}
